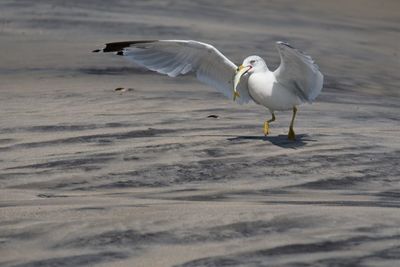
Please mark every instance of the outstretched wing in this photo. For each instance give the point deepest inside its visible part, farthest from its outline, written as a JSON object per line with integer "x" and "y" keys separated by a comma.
{"x": 298, "y": 72}
{"x": 176, "y": 57}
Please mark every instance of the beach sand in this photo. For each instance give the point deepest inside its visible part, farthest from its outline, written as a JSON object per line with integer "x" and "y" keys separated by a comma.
{"x": 94, "y": 177}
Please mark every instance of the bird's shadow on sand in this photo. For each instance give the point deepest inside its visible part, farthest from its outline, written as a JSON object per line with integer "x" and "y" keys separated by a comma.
{"x": 278, "y": 140}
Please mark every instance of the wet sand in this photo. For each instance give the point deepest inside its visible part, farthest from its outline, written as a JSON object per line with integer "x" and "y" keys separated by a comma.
{"x": 91, "y": 176}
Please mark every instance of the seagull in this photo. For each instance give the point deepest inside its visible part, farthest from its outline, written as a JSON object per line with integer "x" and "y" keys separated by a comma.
{"x": 297, "y": 80}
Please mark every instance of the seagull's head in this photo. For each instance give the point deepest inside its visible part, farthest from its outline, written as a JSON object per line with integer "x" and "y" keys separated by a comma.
{"x": 253, "y": 64}
{"x": 250, "y": 65}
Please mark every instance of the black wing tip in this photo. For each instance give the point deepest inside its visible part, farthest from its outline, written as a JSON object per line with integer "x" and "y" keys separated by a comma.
{"x": 295, "y": 49}
{"x": 119, "y": 46}
{"x": 285, "y": 44}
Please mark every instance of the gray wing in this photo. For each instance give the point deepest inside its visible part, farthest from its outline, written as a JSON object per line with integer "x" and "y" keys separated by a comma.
{"x": 298, "y": 72}
{"x": 179, "y": 57}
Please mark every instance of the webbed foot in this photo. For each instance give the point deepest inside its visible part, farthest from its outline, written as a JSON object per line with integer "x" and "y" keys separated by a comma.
{"x": 266, "y": 128}
{"x": 291, "y": 134}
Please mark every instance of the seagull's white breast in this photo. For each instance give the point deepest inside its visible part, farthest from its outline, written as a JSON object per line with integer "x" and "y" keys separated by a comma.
{"x": 266, "y": 91}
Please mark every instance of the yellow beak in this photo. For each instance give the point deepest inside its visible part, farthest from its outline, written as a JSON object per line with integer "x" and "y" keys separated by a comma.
{"x": 240, "y": 71}
{"x": 239, "y": 68}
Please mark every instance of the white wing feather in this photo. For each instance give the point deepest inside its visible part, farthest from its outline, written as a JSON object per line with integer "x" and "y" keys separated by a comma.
{"x": 298, "y": 72}
{"x": 176, "y": 57}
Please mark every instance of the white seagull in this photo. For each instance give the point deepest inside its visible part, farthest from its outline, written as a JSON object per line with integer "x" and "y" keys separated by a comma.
{"x": 297, "y": 80}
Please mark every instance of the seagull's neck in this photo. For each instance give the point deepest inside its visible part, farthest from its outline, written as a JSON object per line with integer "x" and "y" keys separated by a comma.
{"x": 262, "y": 69}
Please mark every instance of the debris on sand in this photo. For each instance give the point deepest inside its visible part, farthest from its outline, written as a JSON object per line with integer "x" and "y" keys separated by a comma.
{"x": 122, "y": 89}
{"x": 213, "y": 116}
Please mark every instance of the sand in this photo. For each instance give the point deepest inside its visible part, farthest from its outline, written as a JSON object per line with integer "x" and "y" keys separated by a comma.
{"x": 94, "y": 177}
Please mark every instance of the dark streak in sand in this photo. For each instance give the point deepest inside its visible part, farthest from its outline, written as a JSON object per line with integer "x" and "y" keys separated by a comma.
{"x": 76, "y": 260}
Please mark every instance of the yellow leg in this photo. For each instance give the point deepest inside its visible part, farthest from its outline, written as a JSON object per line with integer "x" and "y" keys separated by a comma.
{"x": 266, "y": 124}
{"x": 292, "y": 135}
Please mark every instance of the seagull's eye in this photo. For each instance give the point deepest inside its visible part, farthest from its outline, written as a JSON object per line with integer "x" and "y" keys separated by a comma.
{"x": 252, "y": 61}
